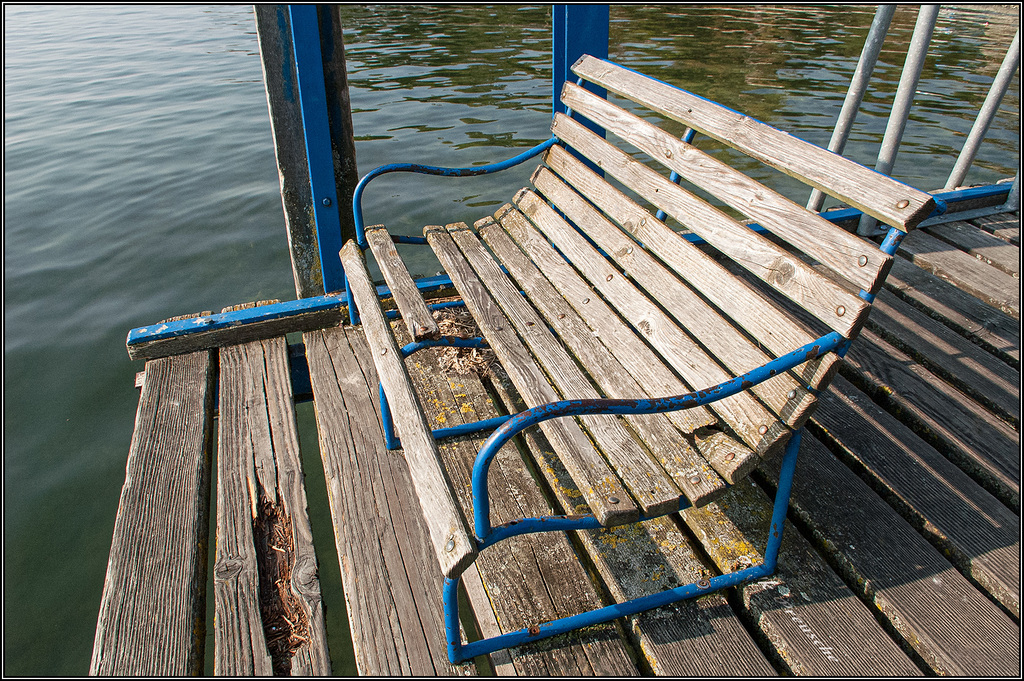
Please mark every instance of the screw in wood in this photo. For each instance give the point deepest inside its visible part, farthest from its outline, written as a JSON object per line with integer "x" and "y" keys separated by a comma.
{"x": 903, "y": 204}
{"x": 694, "y": 479}
{"x": 730, "y": 456}
{"x": 763, "y": 430}
{"x": 450, "y": 546}
{"x": 791, "y": 394}
{"x": 840, "y": 311}
{"x": 613, "y": 500}
{"x": 608, "y": 278}
{"x": 862, "y": 260}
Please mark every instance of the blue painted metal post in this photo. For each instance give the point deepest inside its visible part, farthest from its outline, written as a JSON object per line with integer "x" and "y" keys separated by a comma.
{"x": 313, "y": 99}
{"x": 576, "y": 30}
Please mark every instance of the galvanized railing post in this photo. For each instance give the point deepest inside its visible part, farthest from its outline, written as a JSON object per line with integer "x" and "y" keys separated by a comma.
{"x": 858, "y": 86}
{"x": 904, "y": 97}
{"x": 986, "y": 114}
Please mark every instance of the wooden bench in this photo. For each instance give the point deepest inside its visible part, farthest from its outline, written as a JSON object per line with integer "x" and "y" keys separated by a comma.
{"x": 662, "y": 364}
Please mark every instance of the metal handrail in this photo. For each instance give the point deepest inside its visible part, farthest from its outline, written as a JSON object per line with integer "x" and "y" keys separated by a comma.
{"x": 900, "y": 111}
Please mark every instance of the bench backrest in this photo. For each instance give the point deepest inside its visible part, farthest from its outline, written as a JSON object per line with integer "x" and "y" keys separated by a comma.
{"x": 817, "y": 265}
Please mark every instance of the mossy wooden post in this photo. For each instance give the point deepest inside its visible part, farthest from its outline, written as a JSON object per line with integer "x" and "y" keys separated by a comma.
{"x": 273, "y": 26}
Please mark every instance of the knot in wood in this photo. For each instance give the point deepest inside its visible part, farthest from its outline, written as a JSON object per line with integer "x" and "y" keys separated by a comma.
{"x": 228, "y": 568}
{"x": 781, "y": 271}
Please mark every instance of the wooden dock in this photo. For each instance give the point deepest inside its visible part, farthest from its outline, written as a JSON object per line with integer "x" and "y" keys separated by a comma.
{"x": 901, "y": 556}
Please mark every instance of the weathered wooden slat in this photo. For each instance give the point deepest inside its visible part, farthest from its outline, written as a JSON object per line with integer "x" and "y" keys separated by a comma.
{"x": 450, "y": 535}
{"x": 754, "y": 424}
{"x": 240, "y": 643}
{"x": 950, "y": 263}
{"x": 859, "y": 261}
{"x": 258, "y": 455}
{"x": 932, "y": 609}
{"x": 982, "y": 445}
{"x": 699, "y": 637}
{"x": 679, "y": 459}
{"x": 1005, "y": 226}
{"x": 782, "y": 394}
{"x": 811, "y": 620}
{"x": 993, "y": 329}
{"x": 882, "y": 197}
{"x": 976, "y": 532}
{"x": 980, "y": 244}
{"x": 597, "y": 482}
{"x": 647, "y": 481}
{"x": 773, "y": 328}
{"x": 407, "y": 297}
{"x": 948, "y": 354}
{"x": 729, "y": 457}
{"x": 391, "y": 578}
{"x": 625, "y": 345}
{"x": 527, "y": 579}
{"x": 841, "y": 310}
{"x": 153, "y": 609}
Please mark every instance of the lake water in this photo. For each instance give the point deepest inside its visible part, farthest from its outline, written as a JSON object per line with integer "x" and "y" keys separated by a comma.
{"x": 140, "y": 183}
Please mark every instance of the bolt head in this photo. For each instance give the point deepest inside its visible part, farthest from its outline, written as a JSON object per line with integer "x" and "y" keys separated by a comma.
{"x": 903, "y": 204}
{"x": 327, "y": 202}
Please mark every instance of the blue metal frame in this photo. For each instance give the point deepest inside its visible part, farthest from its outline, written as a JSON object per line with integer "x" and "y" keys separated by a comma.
{"x": 357, "y": 196}
{"x": 460, "y": 652}
{"x": 316, "y": 128}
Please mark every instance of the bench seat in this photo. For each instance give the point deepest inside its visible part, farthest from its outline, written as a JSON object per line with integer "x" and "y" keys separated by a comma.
{"x": 668, "y": 320}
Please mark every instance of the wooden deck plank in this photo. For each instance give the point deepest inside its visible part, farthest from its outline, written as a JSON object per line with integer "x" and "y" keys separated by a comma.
{"x": 153, "y": 610}
{"x": 268, "y": 606}
{"x": 528, "y": 579}
{"x": 976, "y": 533}
{"x": 890, "y": 201}
{"x": 407, "y": 297}
{"x": 925, "y": 602}
{"x": 598, "y": 483}
{"x": 984, "y": 446}
{"x": 776, "y": 330}
{"x": 1005, "y": 226}
{"x": 240, "y": 643}
{"x": 948, "y": 354}
{"x": 391, "y": 577}
{"x": 982, "y": 245}
{"x": 950, "y": 263}
{"x": 857, "y": 260}
{"x": 959, "y": 310}
{"x": 699, "y": 637}
{"x": 808, "y": 619}
{"x": 751, "y": 421}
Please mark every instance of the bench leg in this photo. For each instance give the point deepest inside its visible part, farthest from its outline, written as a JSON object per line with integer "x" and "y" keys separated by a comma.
{"x": 459, "y": 652}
